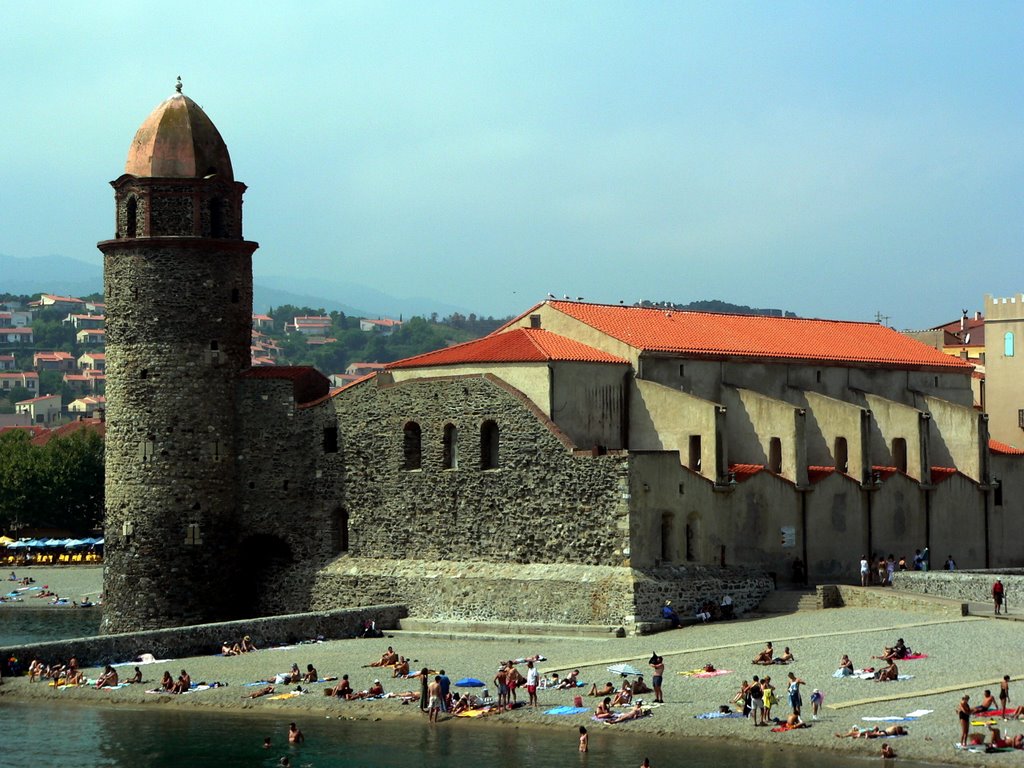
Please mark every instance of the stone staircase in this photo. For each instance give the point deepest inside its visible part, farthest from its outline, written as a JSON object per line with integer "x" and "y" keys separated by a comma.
{"x": 788, "y": 601}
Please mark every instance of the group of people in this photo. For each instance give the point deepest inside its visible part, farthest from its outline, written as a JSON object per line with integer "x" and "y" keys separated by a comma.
{"x": 880, "y": 571}
{"x": 705, "y": 610}
{"x": 767, "y": 656}
{"x": 759, "y": 697}
{"x": 245, "y": 645}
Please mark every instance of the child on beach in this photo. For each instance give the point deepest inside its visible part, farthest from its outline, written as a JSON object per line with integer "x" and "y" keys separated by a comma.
{"x": 817, "y": 698}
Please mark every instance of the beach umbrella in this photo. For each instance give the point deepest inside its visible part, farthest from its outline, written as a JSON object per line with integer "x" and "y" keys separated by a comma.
{"x": 35, "y": 543}
{"x": 470, "y": 682}
{"x": 18, "y": 545}
{"x": 98, "y": 542}
{"x": 624, "y": 669}
{"x": 54, "y": 543}
{"x": 72, "y": 543}
{"x": 89, "y": 540}
{"x": 5, "y": 540}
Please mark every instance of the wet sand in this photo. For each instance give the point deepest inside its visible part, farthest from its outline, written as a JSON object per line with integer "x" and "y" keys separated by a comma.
{"x": 965, "y": 655}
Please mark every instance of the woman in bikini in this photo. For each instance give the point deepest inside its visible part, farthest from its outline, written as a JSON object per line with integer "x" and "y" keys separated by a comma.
{"x": 765, "y": 656}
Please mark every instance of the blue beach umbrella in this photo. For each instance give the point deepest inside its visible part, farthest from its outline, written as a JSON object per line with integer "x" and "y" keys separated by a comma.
{"x": 469, "y": 682}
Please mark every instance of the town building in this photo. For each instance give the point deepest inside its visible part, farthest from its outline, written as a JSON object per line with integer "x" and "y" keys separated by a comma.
{"x": 44, "y": 410}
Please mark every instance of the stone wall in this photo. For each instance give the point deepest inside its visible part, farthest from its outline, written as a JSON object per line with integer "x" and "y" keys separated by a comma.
{"x": 689, "y": 586}
{"x": 846, "y": 595}
{"x": 963, "y": 586}
{"x": 542, "y": 503}
{"x": 207, "y": 638}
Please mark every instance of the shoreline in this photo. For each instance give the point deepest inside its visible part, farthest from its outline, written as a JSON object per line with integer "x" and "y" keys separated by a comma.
{"x": 954, "y": 664}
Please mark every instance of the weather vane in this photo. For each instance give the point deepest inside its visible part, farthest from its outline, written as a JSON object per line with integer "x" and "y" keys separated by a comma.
{"x": 177, "y": 87}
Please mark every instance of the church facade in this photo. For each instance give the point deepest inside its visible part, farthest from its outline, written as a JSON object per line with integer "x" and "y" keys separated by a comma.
{"x": 580, "y": 465}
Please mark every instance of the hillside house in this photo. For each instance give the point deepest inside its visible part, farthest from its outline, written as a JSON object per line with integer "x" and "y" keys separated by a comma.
{"x": 45, "y": 410}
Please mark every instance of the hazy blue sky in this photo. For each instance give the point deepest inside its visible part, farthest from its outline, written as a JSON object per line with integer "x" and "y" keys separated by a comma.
{"x": 831, "y": 158}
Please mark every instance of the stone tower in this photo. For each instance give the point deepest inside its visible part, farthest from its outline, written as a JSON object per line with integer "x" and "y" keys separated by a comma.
{"x": 178, "y": 289}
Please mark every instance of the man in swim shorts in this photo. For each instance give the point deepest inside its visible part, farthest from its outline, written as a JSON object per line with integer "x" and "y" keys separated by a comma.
{"x": 434, "y": 699}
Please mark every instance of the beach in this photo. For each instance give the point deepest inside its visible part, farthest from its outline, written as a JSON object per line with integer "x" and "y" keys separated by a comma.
{"x": 964, "y": 655}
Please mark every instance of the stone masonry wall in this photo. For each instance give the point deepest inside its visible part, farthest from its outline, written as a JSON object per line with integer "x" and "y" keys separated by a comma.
{"x": 542, "y": 504}
{"x": 207, "y": 638}
{"x": 963, "y": 586}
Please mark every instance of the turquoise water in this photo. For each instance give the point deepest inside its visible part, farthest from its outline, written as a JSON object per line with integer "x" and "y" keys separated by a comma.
{"x": 19, "y": 626}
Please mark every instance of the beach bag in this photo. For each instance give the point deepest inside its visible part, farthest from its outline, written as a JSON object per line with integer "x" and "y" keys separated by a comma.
{"x": 577, "y": 701}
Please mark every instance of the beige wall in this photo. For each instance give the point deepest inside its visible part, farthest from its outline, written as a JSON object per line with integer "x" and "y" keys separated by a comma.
{"x": 531, "y": 379}
{"x": 827, "y": 420}
{"x": 836, "y": 529}
{"x": 889, "y": 421}
{"x": 897, "y": 517}
{"x": 951, "y": 531}
{"x": 957, "y": 437}
{"x": 1006, "y": 511}
{"x": 754, "y": 420}
{"x": 1004, "y": 376}
{"x": 664, "y": 419}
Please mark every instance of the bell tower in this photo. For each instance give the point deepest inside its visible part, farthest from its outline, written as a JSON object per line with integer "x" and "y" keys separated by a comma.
{"x": 178, "y": 290}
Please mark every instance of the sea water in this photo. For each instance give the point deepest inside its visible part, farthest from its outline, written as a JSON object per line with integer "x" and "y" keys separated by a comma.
{"x": 156, "y": 736}
{"x": 24, "y": 626}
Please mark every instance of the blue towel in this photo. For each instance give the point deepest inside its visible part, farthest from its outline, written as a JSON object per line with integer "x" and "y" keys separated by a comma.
{"x": 566, "y": 710}
{"x": 718, "y": 715}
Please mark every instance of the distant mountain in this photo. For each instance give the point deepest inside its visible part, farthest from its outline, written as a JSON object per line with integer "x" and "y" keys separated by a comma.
{"x": 74, "y": 277}
{"x": 49, "y": 274}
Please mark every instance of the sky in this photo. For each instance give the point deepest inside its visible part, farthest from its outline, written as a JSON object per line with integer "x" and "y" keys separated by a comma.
{"x": 835, "y": 159}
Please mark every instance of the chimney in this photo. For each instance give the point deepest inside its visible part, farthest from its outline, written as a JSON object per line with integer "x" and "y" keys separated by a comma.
{"x": 977, "y": 315}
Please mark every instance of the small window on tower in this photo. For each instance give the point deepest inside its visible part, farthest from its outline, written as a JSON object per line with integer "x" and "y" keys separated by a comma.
{"x": 330, "y": 439}
{"x": 131, "y": 218}
{"x": 193, "y": 537}
{"x": 214, "y": 345}
{"x": 235, "y": 296}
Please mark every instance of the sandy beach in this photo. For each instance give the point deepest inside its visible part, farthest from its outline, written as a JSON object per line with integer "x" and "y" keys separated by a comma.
{"x": 71, "y": 582}
{"x": 965, "y": 655}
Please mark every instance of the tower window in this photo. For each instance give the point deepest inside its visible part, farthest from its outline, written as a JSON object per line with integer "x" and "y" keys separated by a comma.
{"x": 695, "y": 453}
{"x": 535, "y": 321}
{"x": 193, "y": 537}
{"x": 340, "y": 538}
{"x": 489, "y": 440}
{"x": 218, "y": 218}
{"x": 666, "y": 538}
{"x": 235, "y": 296}
{"x": 450, "y": 460}
{"x": 214, "y": 345}
{"x": 144, "y": 373}
{"x": 1008, "y": 344}
{"x": 131, "y": 213}
{"x": 412, "y": 446}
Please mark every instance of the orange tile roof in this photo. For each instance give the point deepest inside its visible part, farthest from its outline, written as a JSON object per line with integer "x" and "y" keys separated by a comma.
{"x": 1003, "y": 448}
{"x": 817, "y": 474}
{"x": 942, "y": 473}
{"x": 720, "y": 335}
{"x": 97, "y": 425}
{"x": 521, "y": 345}
{"x": 743, "y": 472}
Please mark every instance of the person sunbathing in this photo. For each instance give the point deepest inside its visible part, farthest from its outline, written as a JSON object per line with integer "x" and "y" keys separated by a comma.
{"x": 311, "y": 675}
{"x": 167, "y": 682}
{"x": 464, "y": 703}
{"x": 607, "y": 690}
{"x": 183, "y": 683}
{"x": 785, "y": 658}
{"x": 639, "y": 686}
{"x": 889, "y": 674}
{"x": 109, "y": 677}
{"x": 230, "y": 650}
{"x": 246, "y": 645}
{"x": 765, "y": 656}
{"x": 898, "y": 651}
{"x": 741, "y": 694}
{"x": 570, "y": 680}
{"x": 988, "y": 702}
{"x": 794, "y": 721}
{"x": 401, "y": 668}
{"x": 624, "y": 695}
{"x": 341, "y": 690}
{"x": 266, "y": 691}
{"x": 287, "y": 678}
{"x": 603, "y": 711}
{"x": 387, "y": 658}
{"x": 636, "y": 712}
{"x": 374, "y": 690}
{"x": 846, "y": 666}
{"x": 136, "y": 677}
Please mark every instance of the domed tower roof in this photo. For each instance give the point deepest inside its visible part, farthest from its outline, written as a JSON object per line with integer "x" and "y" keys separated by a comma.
{"x": 178, "y": 140}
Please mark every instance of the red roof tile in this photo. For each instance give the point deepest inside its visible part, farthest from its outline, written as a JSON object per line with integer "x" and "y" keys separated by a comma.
{"x": 99, "y": 426}
{"x": 1003, "y": 448}
{"x": 720, "y": 335}
{"x": 942, "y": 473}
{"x": 521, "y": 345}
{"x": 817, "y": 474}
{"x": 308, "y": 383}
{"x": 743, "y": 472}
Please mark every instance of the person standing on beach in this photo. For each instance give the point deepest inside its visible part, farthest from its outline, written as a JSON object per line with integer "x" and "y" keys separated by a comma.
{"x": 531, "y": 682}
{"x": 657, "y": 663}
{"x": 434, "y": 690}
{"x": 795, "y": 700}
{"x": 864, "y": 570}
{"x": 1004, "y": 694}
{"x": 963, "y": 711}
{"x": 446, "y": 686}
{"x": 755, "y": 695}
{"x": 998, "y": 593}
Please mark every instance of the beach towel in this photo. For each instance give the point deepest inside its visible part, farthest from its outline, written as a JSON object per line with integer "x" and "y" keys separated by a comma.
{"x": 718, "y": 715}
{"x": 871, "y": 676}
{"x": 716, "y": 673}
{"x": 788, "y": 727}
{"x": 280, "y": 696}
{"x": 995, "y": 713}
{"x": 480, "y": 712}
{"x": 534, "y": 659}
{"x": 914, "y": 657}
{"x": 970, "y": 747}
{"x": 692, "y": 672}
{"x": 920, "y": 712}
{"x": 566, "y": 710}
{"x": 146, "y": 658}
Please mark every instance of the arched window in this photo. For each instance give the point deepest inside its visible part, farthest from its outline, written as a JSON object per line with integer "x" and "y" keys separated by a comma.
{"x": 899, "y": 453}
{"x": 412, "y": 447}
{"x": 451, "y": 447}
{"x": 131, "y": 228}
{"x": 842, "y": 454}
{"x": 775, "y": 455}
{"x": 488, "y": 445}
{"x": 666, "y": 538}
{"x": 1008, "y": 344}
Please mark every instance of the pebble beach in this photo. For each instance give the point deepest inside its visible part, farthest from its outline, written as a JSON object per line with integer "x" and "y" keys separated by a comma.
{"x": 964, "y": 655}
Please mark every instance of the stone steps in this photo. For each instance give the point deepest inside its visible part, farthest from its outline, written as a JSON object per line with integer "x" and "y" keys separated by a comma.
{"x": 788, "y": 601}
